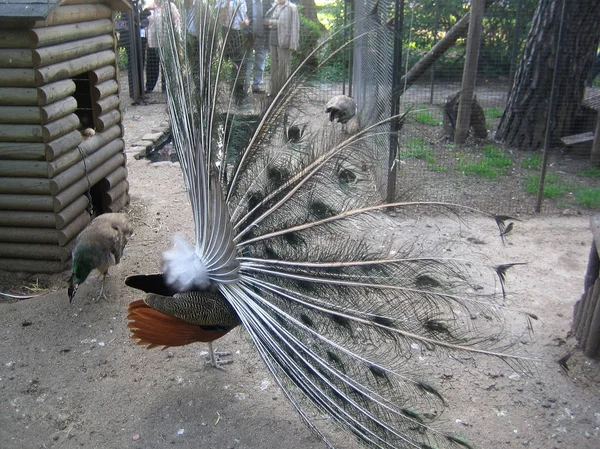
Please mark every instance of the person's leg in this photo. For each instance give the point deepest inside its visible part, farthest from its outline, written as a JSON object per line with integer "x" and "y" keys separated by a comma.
{"x": 152, "y": 67}
{"x": 260, "y": 58}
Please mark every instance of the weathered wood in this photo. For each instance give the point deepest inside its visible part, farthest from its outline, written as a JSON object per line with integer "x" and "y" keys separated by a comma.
{"x": 80, "y": 169}
{"x": 40, "y": 203}
{"x": 13, "y": 38}
{"x": 71, "y": 212}
{"x": 32, "y": 266}
{"x": 58, "y": 109}
{"x": 29, "y": 186}
{"x": 103, "y": 74}
{"x": 27, "y": 219}
{"x": 111, "y": 181}
{"x": 119, "y": 204}
{"x": 62, "y": 52}
{"x": 29, "y": 235}
{"x": 75, "y": 13}
{"x": 70, "y": 194}
{"x": 18, "y": 96}
{"x": 57, "y": 128}
{"x": 24, "y": 169}
{"x": 17, "y": 77}
{"x": 595, "y": 153}
{"x": 592, "y": 343}
{"x": 577, "y": 138}
{"x": 15, "y": 57}
{"x": 102, "y": 90}
{"x": 110, "y": 196}
{"x": 62, "y": 145}
{"x": 71, "y": 68}
{"x": 586, "y": 319}
{"x": 22, "y": 151}
{"x": 34, "y": 251}
{"x": 42, "y": 37}
{"x": 20, "y": 115}
{"x": 108, "y": 120}
{"x": 87, "y": 147}
{"x": 55, "y": 91}
{"x": 21, "y": 133}
{"x": 73, "y": 228}
{"x": 595, "y": 228}
{"x": 106, "y": 104}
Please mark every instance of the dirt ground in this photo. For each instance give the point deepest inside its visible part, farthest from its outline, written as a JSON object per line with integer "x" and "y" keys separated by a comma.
{"x": 71, "y": 377}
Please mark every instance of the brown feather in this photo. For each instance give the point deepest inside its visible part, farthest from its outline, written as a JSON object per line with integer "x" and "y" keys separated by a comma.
{"x": 154, "y": 328}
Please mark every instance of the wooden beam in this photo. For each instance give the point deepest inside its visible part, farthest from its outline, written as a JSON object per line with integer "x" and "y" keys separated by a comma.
{"x": 34, "y": 251}
{"x": 15, "y": 57}
{"x": 108, "y": 120}
{"x": 71, "y": 212}
{"x": 62, "y": 145}
{"x": 24, "y": 169}
{"x": 102, "y": 74}
{"x": 25, "y": 186}
{"x": 40, "y": 203}
{"x": 42, "y": 37}
{"x": 17, "y": 77}
{"x": 103, "y": 90}
{"x": 18, "y": 96}
{"x": 58, "y": 109}
{"x": 106, "y": 104}
{"x": 70, "y": 50}
{"x": 57, "y": 128}
{"x": 114, "y": 178}
{"x": 13, "y": 38}
{"x": 75, "y": 13}
{"x": 22, "y": 151}
{"x": 73, "y": 67}
{"x": 20, "y": 115}
{"x": 21, "y": 133}
{"x": 27, "y": 219}
{"x": 118, "y": 204}
{"x": 55, "y": 91}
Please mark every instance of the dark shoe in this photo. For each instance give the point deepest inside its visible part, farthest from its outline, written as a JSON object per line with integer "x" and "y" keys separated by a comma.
{"x": 258, "y": 90}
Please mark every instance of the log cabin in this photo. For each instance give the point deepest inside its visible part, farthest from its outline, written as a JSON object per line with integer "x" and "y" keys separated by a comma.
{"x": 61, "y": 136}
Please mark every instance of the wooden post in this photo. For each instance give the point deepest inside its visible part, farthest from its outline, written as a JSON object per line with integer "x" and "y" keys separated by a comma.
{"x": 470, "y": 71}
{"x": 595, "y": 154}
{"x": 50, "y": 35}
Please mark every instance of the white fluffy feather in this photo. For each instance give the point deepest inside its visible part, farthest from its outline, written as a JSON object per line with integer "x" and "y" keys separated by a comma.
{"x": 183, "y": 269}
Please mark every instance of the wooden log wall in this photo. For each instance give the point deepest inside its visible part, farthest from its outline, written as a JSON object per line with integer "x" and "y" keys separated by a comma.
{"x": 47, "y": 167}
{"x": 586, "y": 315}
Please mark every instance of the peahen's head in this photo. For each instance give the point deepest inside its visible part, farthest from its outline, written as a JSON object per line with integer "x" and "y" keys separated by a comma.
{"x": 82, "y": 266}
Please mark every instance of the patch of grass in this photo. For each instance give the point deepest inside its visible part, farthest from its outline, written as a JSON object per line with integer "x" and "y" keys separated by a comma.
{"x": 532, "y": 162}
{"x": 492, "y": 164}
{"x": 424, "y": 116}
{"x": 588, "y": 197}
{"x": 492, "y": 113}
{"x": 590, "y": 172}
{"x": 553, "y": 185}
{"x": 418, "y": 149}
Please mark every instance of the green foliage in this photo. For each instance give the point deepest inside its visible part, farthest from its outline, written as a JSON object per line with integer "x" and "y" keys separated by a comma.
{"x": 532, "y": 162}
{"x": 588, "y": 197}
{"x": 553, "y": 186}
{"x": 492, "y": 113}
{"x": 492, "y": 164}
{"x": 590, "y": 172}
{"x": 122, "y": 59}
{"x": 418, "y": 149}
{"x": 425, "y": 116}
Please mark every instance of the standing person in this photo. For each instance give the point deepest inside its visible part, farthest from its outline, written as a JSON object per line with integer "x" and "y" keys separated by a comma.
{"x": 284, "y": 37}
{"x": 233, "y": 16}
{"x": 153, "y": 57}
{"x": 257, "y": 9}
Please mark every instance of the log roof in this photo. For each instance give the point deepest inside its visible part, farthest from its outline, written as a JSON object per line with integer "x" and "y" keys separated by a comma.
{"x": 39, "y": 9}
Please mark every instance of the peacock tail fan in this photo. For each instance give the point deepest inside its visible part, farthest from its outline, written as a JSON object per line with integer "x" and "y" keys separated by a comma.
{"x": 291, "y": 228}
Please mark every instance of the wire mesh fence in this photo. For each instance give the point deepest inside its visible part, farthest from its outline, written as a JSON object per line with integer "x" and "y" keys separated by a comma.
{"x": 483, "y": 172}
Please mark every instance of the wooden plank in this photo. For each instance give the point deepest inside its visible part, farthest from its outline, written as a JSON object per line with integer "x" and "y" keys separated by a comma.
{"x": 102, "y": 74}
{"x": 27, "y": 219}
{"x": 108, "y": 120}
{"x": 18, "y": 96}
{"x": 40, "y": 203}
{"x": 15, "y": 57}
{"x": 17, "y": 77}
{"x": 24, "y": 169}
{"x": 42, "y": 37}
{"x": 62, "y": 52}
{"x": 22, "y": 151}
{"x": 27, "y": 186}
{"x": 34, "y": 251}
{"x": 62, "y": 145}
{"x": 75, "y": 13}
{"x": 119, "y": 204}
{"x": 71, "y": 68}
{"x": 59, "y": 127}
{"x": 58, "y": 109}
{"x": 577, "y": 138}
{"x": 71, "y": 212}
{"x": 21, "y": 133}
{"x": 14, "y": 38}
{"x": 106, "y": 104}
{"x": 55, "y": 91}
{"x": 20, "y": 115}
{"x": 103, "y": 90}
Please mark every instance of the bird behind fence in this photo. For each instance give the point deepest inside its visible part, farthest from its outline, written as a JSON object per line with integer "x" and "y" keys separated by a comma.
{"x": 293, "y": 243}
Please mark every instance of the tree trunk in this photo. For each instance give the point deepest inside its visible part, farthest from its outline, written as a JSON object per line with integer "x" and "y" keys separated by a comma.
{"x": 310, "y": 9}
{"x": 523, "y": 123}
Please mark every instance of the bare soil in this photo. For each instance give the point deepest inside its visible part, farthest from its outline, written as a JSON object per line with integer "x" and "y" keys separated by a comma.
{"x": 70, "y": 376}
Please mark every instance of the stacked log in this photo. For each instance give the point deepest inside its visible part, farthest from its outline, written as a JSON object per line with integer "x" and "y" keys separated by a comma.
{"x": 586, "y": 316}
{"x": 48, "y": 169}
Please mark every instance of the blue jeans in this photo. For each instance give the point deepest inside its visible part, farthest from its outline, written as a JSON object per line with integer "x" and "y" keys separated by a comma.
{"x": 256, "y": 61}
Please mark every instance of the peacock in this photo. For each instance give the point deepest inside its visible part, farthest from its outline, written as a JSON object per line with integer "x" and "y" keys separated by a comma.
{"x": 335, "y": 287}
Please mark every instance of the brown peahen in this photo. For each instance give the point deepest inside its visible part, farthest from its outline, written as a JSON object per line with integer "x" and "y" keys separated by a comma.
{"x": 293, "y": 243}
{"x": 98, "y": 247}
